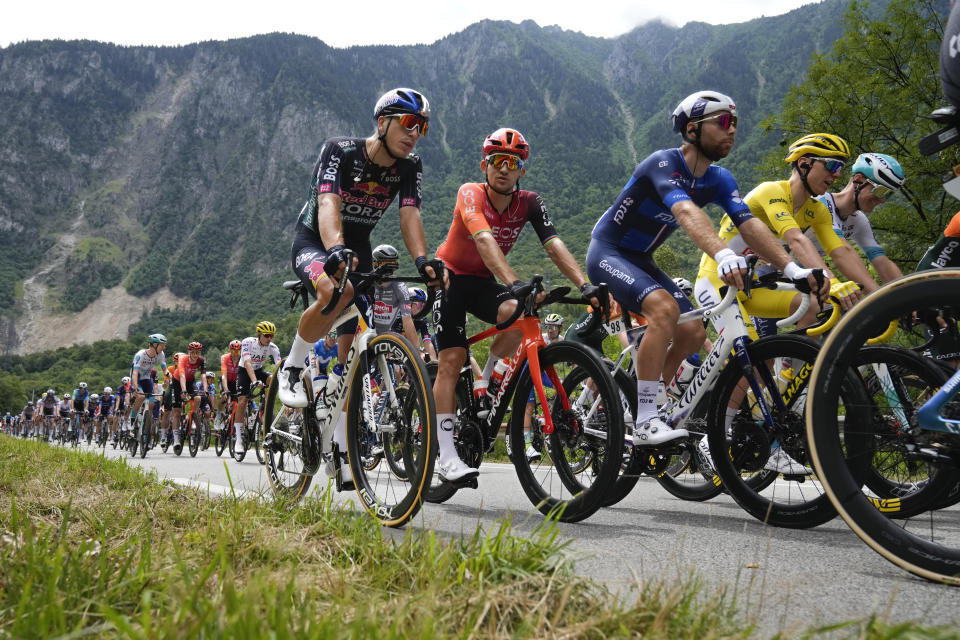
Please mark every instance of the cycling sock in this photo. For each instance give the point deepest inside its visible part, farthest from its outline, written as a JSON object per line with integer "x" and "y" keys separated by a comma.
{"x": 646, "y": 400}
{"x": 340, "y": 433}
{"x": 445, "y": 435}
{"x": 728, "y": 417}
{"x": 299, "y": 352}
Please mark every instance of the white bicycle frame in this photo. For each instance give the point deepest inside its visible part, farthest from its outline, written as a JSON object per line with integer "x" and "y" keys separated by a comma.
{"x": 732, "y": 338}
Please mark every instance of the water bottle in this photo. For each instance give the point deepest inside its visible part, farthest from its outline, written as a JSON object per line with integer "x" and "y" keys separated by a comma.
{"x": 332, "y": 381}
{"x": 685, "y": 372}
{"x": 496, "y": 377}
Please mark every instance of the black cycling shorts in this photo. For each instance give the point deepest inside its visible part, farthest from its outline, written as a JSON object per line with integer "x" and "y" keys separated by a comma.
{"x": 243, "y": 379}
{"x": 482, "y": 297}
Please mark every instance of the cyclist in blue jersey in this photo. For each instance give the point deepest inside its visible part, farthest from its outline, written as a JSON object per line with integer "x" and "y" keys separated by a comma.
{"x": 325, "y": 350}
{"x": 667, "y": 190}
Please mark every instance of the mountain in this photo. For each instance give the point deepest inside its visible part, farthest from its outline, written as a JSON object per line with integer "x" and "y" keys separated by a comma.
{"x": 141, "y": 176}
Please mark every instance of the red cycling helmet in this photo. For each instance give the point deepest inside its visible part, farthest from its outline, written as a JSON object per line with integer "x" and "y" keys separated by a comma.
{"x": 235, "y": 345}
{"x": 194, "y": 346}
{"x": 506, "y": 141}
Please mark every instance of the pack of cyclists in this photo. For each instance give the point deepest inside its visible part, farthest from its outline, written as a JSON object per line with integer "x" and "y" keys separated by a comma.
{"x": 790, "y": 224}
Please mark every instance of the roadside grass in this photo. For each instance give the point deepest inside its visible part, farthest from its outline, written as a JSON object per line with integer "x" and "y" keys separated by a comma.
{"x": 90, "y": 547}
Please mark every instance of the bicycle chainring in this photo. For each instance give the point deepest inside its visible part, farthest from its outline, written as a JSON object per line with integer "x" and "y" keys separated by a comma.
{"x": 749, "y": 443}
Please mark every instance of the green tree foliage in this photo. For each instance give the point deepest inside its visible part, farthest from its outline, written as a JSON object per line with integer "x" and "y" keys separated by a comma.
{"x": 12, "y": 394}
{"x": 874, "y": 89}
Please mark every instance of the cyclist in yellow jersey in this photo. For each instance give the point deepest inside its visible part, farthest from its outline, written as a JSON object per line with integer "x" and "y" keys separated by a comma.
{"x": 789, "y": 208}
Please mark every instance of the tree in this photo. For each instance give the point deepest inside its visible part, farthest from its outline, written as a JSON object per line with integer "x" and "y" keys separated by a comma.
{"x": 12, "y": 394}
{"x": 875, "y": 90}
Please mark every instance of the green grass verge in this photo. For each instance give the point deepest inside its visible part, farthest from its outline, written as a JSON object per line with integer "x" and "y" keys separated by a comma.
{"x": 92, "y": 547}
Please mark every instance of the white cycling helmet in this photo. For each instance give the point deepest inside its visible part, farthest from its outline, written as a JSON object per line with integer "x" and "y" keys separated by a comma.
{"x": 699, "y": 105}
{"x": 684, "y": 285}
{"x": 125, "y": 379}
{"x": 107, "y": 391}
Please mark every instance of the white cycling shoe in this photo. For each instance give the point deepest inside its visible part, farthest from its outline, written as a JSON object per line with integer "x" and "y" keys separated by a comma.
{"x": 290, "y": 389}
{"x": 656, "y": 432}
{"x": 456, "y": 470}
{"x": 781, "y": 462}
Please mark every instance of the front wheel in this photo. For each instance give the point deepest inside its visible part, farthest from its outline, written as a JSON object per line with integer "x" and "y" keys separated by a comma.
{"x": 287, "y": 471}
{"x": 220, "y": 434}
{"x": 390, "y": 363}
{"x": 146, "y": 431}
{"x": 193, "y": 437}
{"x": 587, "y": 423}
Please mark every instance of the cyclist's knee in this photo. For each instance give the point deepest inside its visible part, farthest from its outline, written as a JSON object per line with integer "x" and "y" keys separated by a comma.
{"x": 660, "y": 309}
{"x": 506, "y": 309}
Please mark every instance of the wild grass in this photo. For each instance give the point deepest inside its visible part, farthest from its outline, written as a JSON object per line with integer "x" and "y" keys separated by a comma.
{"x": 90, "y": 547}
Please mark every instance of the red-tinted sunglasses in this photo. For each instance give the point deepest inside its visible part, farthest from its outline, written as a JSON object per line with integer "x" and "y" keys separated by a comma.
{"x": 410, "y": 121}
{"x": 725, "y": 120}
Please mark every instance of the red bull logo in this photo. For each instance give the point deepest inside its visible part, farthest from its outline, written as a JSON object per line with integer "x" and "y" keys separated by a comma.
{"x": 372, "y": 189}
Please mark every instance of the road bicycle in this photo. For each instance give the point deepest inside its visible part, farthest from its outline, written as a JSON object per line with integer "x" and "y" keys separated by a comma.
{"x": 843, "y": 450}
{"x": 143, "y": 427}
{"x": 298, "y": 441}
{"x": 194, "y": 426}
{"x": 252, "y": 424}
{"x": 580, "y": 444}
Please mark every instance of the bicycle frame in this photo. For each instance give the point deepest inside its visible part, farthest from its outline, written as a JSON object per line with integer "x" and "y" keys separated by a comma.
{"x": 527, "y": 353}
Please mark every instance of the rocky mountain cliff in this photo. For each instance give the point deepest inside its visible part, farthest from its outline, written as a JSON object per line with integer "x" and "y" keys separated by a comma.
{"x": 174, "y": 174}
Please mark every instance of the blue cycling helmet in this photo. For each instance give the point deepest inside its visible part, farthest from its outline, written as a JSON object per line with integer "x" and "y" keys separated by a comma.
{"x": 157, "y": 338}
{"x": 880, "y": 169}
{"x": 401, "y": 100}
{"x": 417, "y": 294}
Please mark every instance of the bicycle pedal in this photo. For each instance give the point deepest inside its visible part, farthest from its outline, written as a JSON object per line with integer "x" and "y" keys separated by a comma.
{"x": 796, "y": 478}
{"x": 465, "y": 483}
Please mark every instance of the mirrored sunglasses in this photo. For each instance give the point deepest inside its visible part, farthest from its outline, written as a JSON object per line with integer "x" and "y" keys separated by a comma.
{"x": 410, "y": 121}
{"x": 831, "y": 164}
{"x": 498, "y": 159}
{"x": 880, "y": 191}
{"x": 725, "y": 120}
{"x": 267, "y": 335}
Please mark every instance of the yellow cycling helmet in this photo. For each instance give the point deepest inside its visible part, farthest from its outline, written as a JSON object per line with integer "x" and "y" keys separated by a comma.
{"x": 822, "y": 145}
{"x": 266, "y": 327}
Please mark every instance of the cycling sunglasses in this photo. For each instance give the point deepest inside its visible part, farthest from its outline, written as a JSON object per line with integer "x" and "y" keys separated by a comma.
{"x": 411, "y": 121}
{"x": 880, "y": 191}
{"x": 725, "y": 120}
{"x": 832, "y": 165}
{"x": 267, "y": 335}
{"x": 498, "y": 159}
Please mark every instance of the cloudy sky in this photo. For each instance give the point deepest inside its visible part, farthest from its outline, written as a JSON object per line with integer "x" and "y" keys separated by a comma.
{"x": 342, "y": 23}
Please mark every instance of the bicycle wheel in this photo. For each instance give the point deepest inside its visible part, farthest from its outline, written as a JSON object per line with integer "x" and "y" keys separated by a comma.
{"x": 742, "y": 446}
{"x": 134, "y": 438}
{"x": 580, "y": 429}
{"x": 240, "y": 454}
{"x": 220, "y": 434}
{"x": 146, "y": 432}
{"x": 193, "y": 436}
{"x": 258, "y": 438}
{"x": 899, "y": 382}
{"x": 287, "y": 471}
{"x": 928, "y": 546}
{"x": 390, "y": 361}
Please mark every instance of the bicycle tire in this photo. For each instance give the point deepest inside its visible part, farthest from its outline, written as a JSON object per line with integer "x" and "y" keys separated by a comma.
{"x": 235, "y": 453}
{"x": 284, "y": 461}
{"x": 629, "y": 470}
{"x": 903, "y": 487}
{"x": 390, "y": 358}
{"x": 220, "y": 434}
{"x": 146, "y": 428}
{"x": 258, "y": 439}
{"x": 795, "y": 501}
{"x": 193, "y": 437}
{"x": 549, "y": 481}
{"x": 930, "y": 547}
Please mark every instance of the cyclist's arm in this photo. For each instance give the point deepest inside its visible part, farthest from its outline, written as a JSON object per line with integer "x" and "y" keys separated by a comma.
{"x": 411, "y": 228}
{"x": 329, "y": 223}
{"x": 850, "y": 265}
{"x": 565, "y": 261}
{"x": 801, "y": 247}
{"x": 493, "y": 257}
{"x": 886, "y": 268}
{"x": 409, "y": 331}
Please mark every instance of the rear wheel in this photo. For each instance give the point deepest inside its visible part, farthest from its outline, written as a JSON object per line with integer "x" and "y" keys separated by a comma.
{"x": 193, "y": 437}
{"x": 557, "y": 481}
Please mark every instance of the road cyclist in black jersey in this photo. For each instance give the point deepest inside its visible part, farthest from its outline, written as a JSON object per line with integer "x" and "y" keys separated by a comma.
{"x": 354, "y": 182}
{"x": 665, "y": 191}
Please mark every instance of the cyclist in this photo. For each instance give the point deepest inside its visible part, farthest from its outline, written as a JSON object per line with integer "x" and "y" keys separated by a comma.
{"x": 49, "y": 406}
{"x": 188, "y": 368}
{"x": 253, "y": 353}
{"x": 667, "y": 190}
{"x": 142, "y": 372}
{"x": 81, "y": 399}
{"x": 487, "y": 219}
{"x": 789, "y": 208}
{"x": 108, "y": 403}
{"x": 26, "y": 419}
{"x": 122, "y": 407}
{"x": 354, "y": 181}
{"x": 209, "y": 395}
{"x": 229, "y": 367}
{"x": 391, "y": 300}
{"x": 325, "y": 351}
{"x": 418, "y": 298}
{"x": 165, "y": 391}
{"x": 945, "y": 254}
{"x": 874, "y": 178}
{"x": 553, "y": 323}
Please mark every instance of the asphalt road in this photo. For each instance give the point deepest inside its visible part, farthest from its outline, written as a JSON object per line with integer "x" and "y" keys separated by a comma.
{"x": 785, "y": 580}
